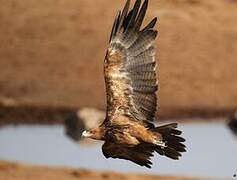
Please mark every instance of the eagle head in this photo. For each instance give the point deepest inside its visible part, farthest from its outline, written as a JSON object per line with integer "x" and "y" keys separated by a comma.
{"x": 96, "y": 133}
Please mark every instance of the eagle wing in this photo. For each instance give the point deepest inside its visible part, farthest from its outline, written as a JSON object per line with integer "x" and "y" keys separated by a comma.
{"x": 140, "y": 154}
{"x": 130, "y": 65}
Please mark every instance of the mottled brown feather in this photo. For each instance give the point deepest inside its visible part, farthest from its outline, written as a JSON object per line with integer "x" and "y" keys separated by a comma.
{"x": 129, "y": 67}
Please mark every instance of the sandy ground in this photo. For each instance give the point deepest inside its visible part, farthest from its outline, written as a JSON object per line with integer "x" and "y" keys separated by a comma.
{"x": 51, "y": 53}
{"x": 13, "y": 171}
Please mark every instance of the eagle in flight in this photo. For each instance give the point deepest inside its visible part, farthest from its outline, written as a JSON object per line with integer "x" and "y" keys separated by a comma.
{"x": 131, "y": 85}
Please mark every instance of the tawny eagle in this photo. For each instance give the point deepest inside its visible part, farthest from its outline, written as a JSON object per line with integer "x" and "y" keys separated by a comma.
{"x": 131, "y": 85}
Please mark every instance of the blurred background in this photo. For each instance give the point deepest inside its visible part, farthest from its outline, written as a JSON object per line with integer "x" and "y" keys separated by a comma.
{"x": 51, "y": 62}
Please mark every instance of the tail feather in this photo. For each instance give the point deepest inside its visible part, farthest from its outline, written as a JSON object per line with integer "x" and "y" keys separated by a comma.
{"x": 178, "y": 146}
{"x": 173, "y": 141}
{"x": 172, "y": 153}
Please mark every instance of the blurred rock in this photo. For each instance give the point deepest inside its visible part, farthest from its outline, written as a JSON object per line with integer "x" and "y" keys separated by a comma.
{"x": 91, "y": 117}
{"x": 232, "y": 123}
{"x": 85, "y": 118}
{"x": 74, "y": 127}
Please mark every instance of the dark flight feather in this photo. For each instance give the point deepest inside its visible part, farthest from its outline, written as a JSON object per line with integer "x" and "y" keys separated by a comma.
{"x": 134, "y": 15}
{"x": 141, "y": 15}
{"x": 150, "y": 25}
{"x": 124, "y": 14}
{"x": 115, "y": 26}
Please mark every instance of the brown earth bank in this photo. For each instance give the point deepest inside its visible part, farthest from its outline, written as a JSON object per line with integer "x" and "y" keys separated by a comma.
{"x": 49, "y": 115}
{"x": 51, "y": 53}
{"x": 14, "y": 171}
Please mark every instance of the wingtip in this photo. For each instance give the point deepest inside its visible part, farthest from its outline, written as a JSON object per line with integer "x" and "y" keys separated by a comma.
{"x": 146, "y": 2}
{"x": 150, "y": 25}
{"x": 141, "y": 15}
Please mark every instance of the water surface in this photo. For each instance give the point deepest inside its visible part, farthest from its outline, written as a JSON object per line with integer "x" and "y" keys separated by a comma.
{"x": 211, "y": 151}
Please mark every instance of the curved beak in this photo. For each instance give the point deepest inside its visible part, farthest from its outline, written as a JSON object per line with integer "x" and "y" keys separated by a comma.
{"x": 86, "y": 134}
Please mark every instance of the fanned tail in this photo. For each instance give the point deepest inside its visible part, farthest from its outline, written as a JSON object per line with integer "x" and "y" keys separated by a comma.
{"x": 173, "y": 141}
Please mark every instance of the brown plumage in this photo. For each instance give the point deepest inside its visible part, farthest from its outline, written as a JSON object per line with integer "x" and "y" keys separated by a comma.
{"x": 131, "y": 85}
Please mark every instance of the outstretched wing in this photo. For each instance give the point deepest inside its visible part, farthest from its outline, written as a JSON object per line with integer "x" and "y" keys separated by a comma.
{"x": 140, "y": 154}
{"x": 130, "y": 76}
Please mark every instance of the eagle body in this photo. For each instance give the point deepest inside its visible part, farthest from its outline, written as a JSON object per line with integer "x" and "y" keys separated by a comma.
{"x": 131, "y": 85}
{"x": 129, "y": 132}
